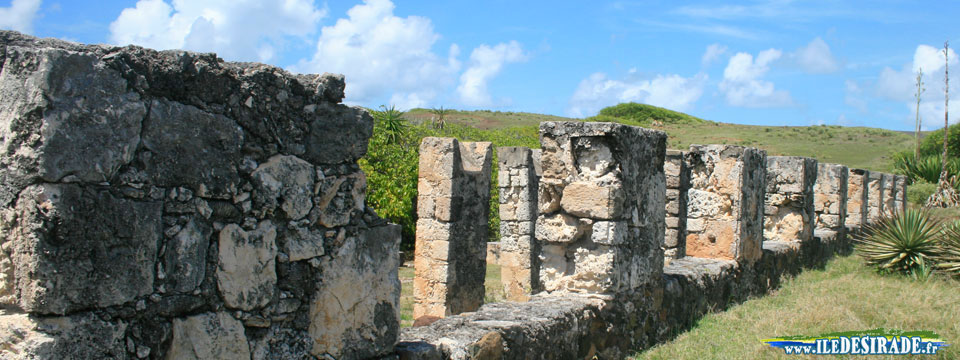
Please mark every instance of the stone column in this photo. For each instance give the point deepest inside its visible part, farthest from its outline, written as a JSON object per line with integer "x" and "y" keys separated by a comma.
{"x": 830, "y": 197}
{"x": 452, "y": 208}
{"x": 601, "y": 200}
{"x": 725, "y": 202}
{"x": 519, "y": 252}
{"x": 889, "y": 194}
{"x": 874, "y": 197}
{"x": 900, "y": 201}
{"x": 788, "y": 205}
{"x": 678, "y": 182}
{"x": 857, "y": 198}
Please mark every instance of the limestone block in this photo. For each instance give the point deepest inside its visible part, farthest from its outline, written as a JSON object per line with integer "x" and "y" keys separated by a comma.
{"x": 609, "y": 232}
{"x": 170, "y": 134}
{"x": 246, "y": 273}
{"x": 726, "y": 202}
{"x": 81, "y": 336}
{"x": 69, "y": 242}
{"x": 830, "y": 196}
{"x": 208, "y": 336}
{"x": 185, "y": 258}
{"x": 857, "y": 197}
{"x": 285, "y": 181}
{"x": 336, "y": 199}
{"x": 789, "y": 199}
{"x": 591, "y": 199}
{"x": 47, "y": 105}
{"x": 301, "y": 243}
{"x": 875, "y": 196}
{"x": 354, "y": 313}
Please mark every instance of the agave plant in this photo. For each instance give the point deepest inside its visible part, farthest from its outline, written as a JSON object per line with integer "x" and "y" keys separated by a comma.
{"x": 905, "y": 242}
{"x": 948, "y": 259}
{"x": 392, "y": 122}
{"x": 928, "y": 168}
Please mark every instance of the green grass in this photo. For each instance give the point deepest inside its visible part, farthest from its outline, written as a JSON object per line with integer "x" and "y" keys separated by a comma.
{"x": 845, "y": 296}
{"x": 494, "y": 291}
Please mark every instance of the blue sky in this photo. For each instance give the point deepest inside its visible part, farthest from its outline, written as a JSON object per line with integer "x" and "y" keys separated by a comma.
{"x": 762, "y": 62}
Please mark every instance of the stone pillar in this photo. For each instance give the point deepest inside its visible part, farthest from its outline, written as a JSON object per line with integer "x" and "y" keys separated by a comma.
{"x": 874, "y": 197}
{"x": 452, "y": 207}
{"x": 788, "y": 205}
{"x": 857, "y": 198}
{"x": 519, "y": 251}
{"x": 889, "y": 194}
{"x": 830, "y": 197}
{"x": 678, "y": 182}
{"x": 900, "y": 201}
{"x": 601, "y": 200}
{"x": 725, "y": 202}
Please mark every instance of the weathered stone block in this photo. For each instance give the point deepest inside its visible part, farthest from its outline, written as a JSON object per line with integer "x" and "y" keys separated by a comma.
{"x": 452, "y": 227}
{"x": 246, "y": 273}
{"x": 790, "y": 198}
{"x": 678, "y": 187}
{"x": 519, "y": 253}
{"x": 830, "y": 196}
{"x": 889, "y": 194}
{"x": 69, "y": 243}
{"x": 875, "y": 196}
{"x": 209, "y": 336}
{"x": 602, "y": 197}
{"x": 82, "y": 336}
{"x": 857, "y": 198}
{"x": 725, "y": 207}
{"x": 900, "y": 200}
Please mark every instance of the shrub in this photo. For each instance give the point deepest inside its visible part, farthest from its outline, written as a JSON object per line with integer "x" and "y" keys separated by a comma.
{"x": 643, "y": 113}
{"x": 904, "y": 242}
{"x": 918, "y": 193}
{"x": 928, "y": 168}
{"x": 932, "y": 143}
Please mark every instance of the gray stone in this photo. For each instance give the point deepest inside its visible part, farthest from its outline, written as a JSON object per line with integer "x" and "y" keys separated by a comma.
{"x": 208, "y": 336}
{"x": 82, "y": 336}
{"x": 246, "y": 272}
{"x": 284, "y": 181}
{"x": 185, "y": 258}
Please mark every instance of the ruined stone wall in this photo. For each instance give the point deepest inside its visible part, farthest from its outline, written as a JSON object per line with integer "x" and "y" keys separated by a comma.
{"x": 875, "y": 196}
{"x": 678, "y": 183}
{"x": 830, "y": 197}
{"x": 900, "y": 186}
{"x": 452, "y": 208}
{"x": 519, "y": 250}
{"x": 601, "y": 218}
{"x": 857, "y": 198}
{"x": 789, "y": 203}
{"x": 725, "y": 202}
{"x": 173, "y": 205}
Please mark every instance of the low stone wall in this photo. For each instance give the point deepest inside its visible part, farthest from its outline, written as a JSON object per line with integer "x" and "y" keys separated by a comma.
{"x": 889, "y": 194}
{"x": 173, "y": 205}
{"x": 678, "y": 183}
{"x": 830, "y": 197}
{"x": 900, "y": 200}
{"x": 875, "y": 195}
{"x": 452, "y": 209}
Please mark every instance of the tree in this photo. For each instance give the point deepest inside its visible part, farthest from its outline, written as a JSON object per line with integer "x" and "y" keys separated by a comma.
{"x": 440, "y": 113}
{"x": 920, "y": 90}
{"x": 946, "y": 195}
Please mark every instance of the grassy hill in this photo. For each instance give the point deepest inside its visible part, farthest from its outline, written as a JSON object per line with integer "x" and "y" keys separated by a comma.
{"x": 858, "y": 147}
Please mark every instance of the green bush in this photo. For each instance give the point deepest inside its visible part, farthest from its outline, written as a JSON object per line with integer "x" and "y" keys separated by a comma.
{"x": 643, "y": 113}
{"x": 927, "y": 169}
{"x": 932, "y": 144}
{"x": 918, "y": 193}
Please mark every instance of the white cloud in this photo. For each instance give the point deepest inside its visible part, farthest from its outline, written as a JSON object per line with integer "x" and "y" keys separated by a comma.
{"x": 249, "y": 30}
{"x": 381, "y": 54}
{"x": 854, "y": 96}
{"x": 713, "y": 53}
{"x": 816, "y": 58}
{"x": 485, "y": 63}
{"x": 19, "y": 16}
{"x": 669, "y": 91}
{"x": 931, "y": 59}
{"x": 743, "y": 84}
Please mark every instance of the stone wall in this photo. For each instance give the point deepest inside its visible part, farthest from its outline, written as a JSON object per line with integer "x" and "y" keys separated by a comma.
{"x": 598, "y": 227}
{"x": 788, "y": 205}
{"x": 452, "y": 208}
{"x": 889, "y": 193}
{"x": 519, "y": 251}
{"x": 874, "y": 196}
{"x": 173, "y": 205}
{"x": 725, "y": 202}
{"x": 830, "y": 197}
{"x": 678, "y": 183}
{"x": 857, "y": 198}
